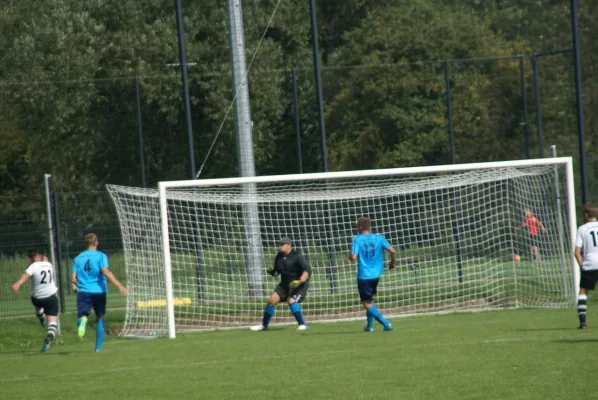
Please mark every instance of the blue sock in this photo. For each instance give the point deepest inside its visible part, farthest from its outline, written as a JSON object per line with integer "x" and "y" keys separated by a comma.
{"x": 375, "y": 313}
{"x": 296, "y": 309}
{"x": 268, "y": 313}
{"x": 370, "y": 318}
{"x": 99, "y": 334}
{"x": 79, "y": 321}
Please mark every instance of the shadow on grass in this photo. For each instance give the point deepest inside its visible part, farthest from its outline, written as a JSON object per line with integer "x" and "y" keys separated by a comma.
{"x": 542, "y": 329}
{"x": 576, "y": 341}
{"x": 48, "y": 354}
{"x": 35, "y": 353}
{"x": 361, "y": 332}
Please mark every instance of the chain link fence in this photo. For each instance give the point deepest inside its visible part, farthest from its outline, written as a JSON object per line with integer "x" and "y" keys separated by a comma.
{"x": 376, "y": 116}
{"x": 23, "y": 225}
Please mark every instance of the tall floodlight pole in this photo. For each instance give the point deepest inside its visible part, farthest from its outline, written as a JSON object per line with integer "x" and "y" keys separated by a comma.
{"x": 140, "y": 131}
{"x": 538, "y": 106}
{"x": 297, "y": 120}
{"x": 185, "y": 79}
{"x": 524, "y": 104}
{"x": 449, "y": 108}
{"x": 50, "y": 224}
{"x": 579, "y": 101}
{"x": 243, "y": 127}
{"x": 51, "y": 229}
{"x": 323, "y": 150}
{"x": 318, "y": 79}
{"x": 449, "y": 112}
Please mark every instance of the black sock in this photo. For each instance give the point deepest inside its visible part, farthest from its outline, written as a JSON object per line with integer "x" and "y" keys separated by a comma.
{"x": 581, "y": 308}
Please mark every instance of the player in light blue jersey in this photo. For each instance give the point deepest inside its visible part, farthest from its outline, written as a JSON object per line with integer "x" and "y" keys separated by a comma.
{"x": 368, "y": 249}
{"x": 90, "y": 270}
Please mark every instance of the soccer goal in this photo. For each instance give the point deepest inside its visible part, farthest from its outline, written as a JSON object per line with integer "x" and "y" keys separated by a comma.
{"x": 196, "y": 251}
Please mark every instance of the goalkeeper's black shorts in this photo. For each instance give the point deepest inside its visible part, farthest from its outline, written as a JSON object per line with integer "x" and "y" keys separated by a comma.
{"x": 298, "y": 293}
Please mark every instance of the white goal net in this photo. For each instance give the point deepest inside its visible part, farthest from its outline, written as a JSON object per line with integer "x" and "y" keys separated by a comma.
{"x": 196, "y": 251}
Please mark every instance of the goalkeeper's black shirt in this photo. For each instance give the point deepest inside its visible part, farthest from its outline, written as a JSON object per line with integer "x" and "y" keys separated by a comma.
{"x": 291, "y": 267}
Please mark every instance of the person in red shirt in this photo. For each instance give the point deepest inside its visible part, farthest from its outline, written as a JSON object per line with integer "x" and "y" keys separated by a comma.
{"x": 533, "y": 226}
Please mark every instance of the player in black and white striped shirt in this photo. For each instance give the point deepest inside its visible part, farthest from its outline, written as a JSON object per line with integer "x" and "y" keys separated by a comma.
{"x": 587, "y": 242}
{"x": 43, "y": 292}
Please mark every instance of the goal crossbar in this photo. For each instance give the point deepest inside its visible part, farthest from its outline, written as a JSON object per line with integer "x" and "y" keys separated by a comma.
{"x": 368, "y": 173}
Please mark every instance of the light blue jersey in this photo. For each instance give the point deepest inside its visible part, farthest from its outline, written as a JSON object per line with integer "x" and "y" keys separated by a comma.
{"x": 369, "y": 250}
{"x": 88, "y": 267}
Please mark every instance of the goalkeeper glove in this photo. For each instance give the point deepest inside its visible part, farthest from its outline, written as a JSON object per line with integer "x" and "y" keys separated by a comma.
{"x": 272, "y": 272}
{"x": 295, "y": 283}
{"x": 391, "y": 265}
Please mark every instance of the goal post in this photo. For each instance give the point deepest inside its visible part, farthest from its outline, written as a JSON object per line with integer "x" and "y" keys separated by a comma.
{"x": 167, "y": 261}
{"x": 452, "y": 227}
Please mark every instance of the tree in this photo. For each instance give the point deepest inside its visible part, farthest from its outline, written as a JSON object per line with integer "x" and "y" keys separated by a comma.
{"x": 393, "y": 111}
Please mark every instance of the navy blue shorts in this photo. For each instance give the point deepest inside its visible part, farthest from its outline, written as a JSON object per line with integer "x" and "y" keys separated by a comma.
{"x": 87, "y": 301}
{"x": 367, "y": 288}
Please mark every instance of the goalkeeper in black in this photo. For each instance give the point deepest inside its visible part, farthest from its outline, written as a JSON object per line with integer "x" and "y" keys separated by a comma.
{"x": 294, "y": 271}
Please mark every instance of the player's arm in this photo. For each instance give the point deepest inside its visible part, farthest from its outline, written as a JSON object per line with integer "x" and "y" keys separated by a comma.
{"x": 541, "y": 226}
{"x": 74, "y": 274}
{"x": 578, "y": 255}
{"x": 298, "y": 282}
{"x": 74, "y": 282}
{"x": 74, "y": 279}
{"x": 273, "y": 271}
{"x": 353, "y": 252}
{"x": 393, "y": 257}
{"x": 393, "y": 254}
{"x": 110, "y": 276}
{"x": 578, "y": 246}
{"x": 305, "y": 268}
{"x": 305, "y": 273}
{"x": 17, "y": 285}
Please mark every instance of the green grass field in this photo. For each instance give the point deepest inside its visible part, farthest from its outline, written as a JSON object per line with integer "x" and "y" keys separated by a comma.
{"x": 516, "y": 354}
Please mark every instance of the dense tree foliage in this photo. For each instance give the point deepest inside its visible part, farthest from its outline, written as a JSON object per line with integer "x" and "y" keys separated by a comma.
{"x": 67, "y": 84}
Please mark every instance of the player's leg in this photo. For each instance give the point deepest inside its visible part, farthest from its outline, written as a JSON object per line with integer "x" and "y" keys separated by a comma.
{"x": 372, "y": 314}
{"x": 99, "y": 308}
{"x": 536, "y": 253}
{"x": 294, "y": 300}
{"x": 40, "y": 314}
{"x": 39, "y": 311}
{"x": 84, "y": 305}
{"x": 367, "y": 300}
{"x": 582, "y": 300}
{"x": 51, "y": 307}
{"x": 587, "y": 283}
{"x": 369, "y": 288}
{"x": 535, "y": 248}
{"x": 274, "y": 299}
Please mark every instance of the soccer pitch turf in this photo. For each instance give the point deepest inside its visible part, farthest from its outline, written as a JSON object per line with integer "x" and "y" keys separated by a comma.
{"x": 514, "y": 354}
